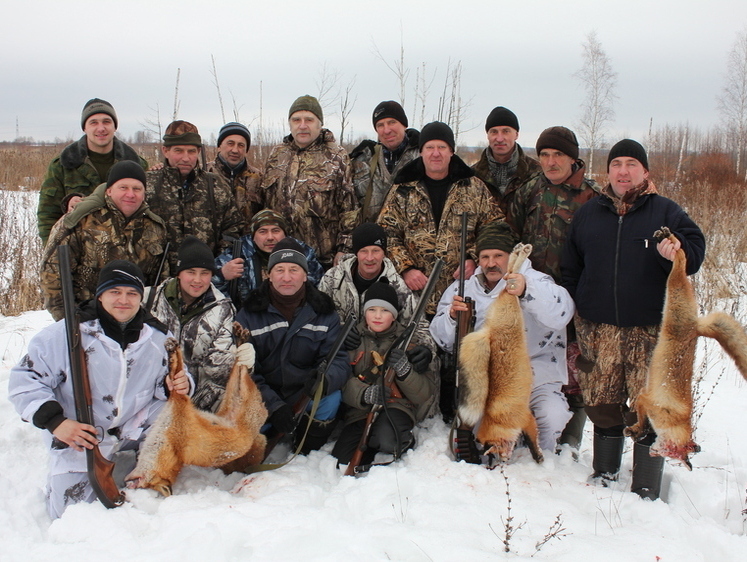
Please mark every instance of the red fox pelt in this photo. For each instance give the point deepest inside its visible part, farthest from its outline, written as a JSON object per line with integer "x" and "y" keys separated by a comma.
{"x": 496, "y": 375}
{"x": 666, "y": 402}
{"x": 182, "y": 434}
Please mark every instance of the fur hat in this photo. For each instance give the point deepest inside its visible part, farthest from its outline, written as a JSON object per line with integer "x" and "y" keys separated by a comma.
{"x": 501, "y": 116}
{"x": 307, "y": 103}
{"x": 266, "y": 217}
{"x": 389, "y": 109}
{"x": 496, "y": 236}
{"x": 234, "y": 128}
{"x": 94, "y": 106}
{"x": 368, "y": 234}
{"x": 381, "y": 293}
{"x": 125, "y": 169}
{"x": 287, "y": 251}
{"x": 181, "y": 132}
{"x": 629, "y": 148}
{"x": 120, "y": 273}
{"x": 193, "y": 252}
{"x": 559, "y": 138}
{"x": 437, "y": 131}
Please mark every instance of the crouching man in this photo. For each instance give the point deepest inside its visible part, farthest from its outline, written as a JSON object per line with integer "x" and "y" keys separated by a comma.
{"x": 293, "y": 327}
{"x": 409, "y": 397}
{"x": 547, "y": 309}
{"x": 201, "y": 318}
{"x": 127, "y": 366}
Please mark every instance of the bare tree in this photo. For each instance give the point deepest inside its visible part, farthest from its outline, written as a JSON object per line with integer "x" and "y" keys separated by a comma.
{"x": 398, "y": 67}
{"x": 328, "y": 91}
{"x": 153, "y": 126}
{"x": 599, "y": 81}
{"x": 732, "y": 103}
{"x": 176, "y": 95}
{"x": 451, "y": 108}
{"x": 346, "y": 108}
{"x": 214, "y": 72}
{"x": 422, "y": 89}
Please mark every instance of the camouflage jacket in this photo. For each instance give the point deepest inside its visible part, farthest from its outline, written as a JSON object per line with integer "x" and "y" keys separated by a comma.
{"x": 541, "y": 215}
{"x": 73, "y": 172}
{"x": 525, "y": 169}
{"x": 312, "y": 188}
{"x": 203, "y": 206}
{"x": 371, "y": 178}
{"x": 245, "y": 187}
{"x": 415, "y": 241}
{"x": 205, "y": 333}
{"x": 338, "y": 284}
{"x": 97, "y": 232}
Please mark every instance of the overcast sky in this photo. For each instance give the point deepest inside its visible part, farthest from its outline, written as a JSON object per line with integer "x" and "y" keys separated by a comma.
{"x": 670, "y": 57}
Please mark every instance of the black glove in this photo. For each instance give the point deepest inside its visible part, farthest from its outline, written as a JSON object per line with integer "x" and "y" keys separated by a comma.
{"x": 397, "y": 360}
{"x": 352, "y": 340}
{"x": 282, "y": 419}
{"x": 310, "y": 387}
{"x": 375, "y": 395}
{"x": 420, "y": 357}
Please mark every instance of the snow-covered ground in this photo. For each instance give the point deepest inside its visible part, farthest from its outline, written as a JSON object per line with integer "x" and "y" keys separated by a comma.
{"x": 425, "y": 507}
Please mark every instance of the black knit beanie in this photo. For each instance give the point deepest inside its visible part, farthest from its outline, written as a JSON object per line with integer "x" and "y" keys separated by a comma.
{"x": 95, "y": 106}
{"x": 437, "y": 131}
{"x": 382, "y": 294}
{"x": 125, "y": 169}
{"x": 120, "y": 273}
{"x": 496, "y": 236}
{"x": 368, "y": 234}
{"x": 559, "y": 138}
{"x": 629, "y": 148}
{"x": 389, "y": 109}
{"x": 501, "y": 116}
{"x": 287, "y": 251}
{"x": 193, "y": 252}
{"x": 234, "y": 128}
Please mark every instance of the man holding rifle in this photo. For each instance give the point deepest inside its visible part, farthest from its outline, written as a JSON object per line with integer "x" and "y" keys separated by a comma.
{"x": 127, "y": 365}
{"x": 547, "y": 308}
{"x": 293, "y": 326}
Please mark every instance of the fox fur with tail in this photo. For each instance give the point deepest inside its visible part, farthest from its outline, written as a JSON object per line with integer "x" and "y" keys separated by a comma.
{"x": 182, "y": 434}
{"x": 666, "y": 401}
{"x": 496, "y": 375}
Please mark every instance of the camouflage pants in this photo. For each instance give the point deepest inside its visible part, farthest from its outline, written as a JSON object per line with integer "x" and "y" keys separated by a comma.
{"x": 619, "y": 359}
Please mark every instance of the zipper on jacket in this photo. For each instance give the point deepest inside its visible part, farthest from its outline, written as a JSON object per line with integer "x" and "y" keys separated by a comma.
{"x": 617, "y": 262}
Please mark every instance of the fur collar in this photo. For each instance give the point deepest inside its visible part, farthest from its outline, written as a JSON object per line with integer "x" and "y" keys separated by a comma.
{"x": 415, "y": 171}
{"x": 259, "y": 299}
{"x": 73, "y": 155}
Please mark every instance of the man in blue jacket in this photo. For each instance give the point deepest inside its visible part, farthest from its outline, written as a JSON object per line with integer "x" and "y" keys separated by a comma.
{"x": 617, "y": 274}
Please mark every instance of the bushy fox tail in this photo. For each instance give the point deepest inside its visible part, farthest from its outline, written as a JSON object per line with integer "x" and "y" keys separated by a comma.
{"x": 729, "y": 333}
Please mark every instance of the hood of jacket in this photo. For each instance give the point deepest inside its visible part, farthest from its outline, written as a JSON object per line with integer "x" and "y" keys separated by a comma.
{"x": 73, "y": 155}
{"x": 259, "y": 299}
{"x": 415, "y": 170}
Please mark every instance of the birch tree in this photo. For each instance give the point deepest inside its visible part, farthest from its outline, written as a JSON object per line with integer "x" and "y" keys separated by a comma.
{"x": 599, "y": 81}
{"x": 732, "y": 103}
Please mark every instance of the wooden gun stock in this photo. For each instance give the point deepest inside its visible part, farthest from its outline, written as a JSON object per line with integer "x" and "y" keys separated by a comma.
{"x": 99, "y": 468}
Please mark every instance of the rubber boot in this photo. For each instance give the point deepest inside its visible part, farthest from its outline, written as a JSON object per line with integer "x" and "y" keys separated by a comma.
{"x": 318, "y": 434}
{"x": 647, "y": 472}
{"x": 574, "y": 429}
{"x": 608, "y": 448}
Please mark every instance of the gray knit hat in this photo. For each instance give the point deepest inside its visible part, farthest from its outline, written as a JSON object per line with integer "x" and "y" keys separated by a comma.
{"x": 307, "y": 103}
{"x": 94, "y": 106}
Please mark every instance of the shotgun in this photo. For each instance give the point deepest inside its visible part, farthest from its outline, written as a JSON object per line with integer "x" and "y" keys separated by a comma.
{"x": 402, "y": 342}
{"x": 99, "y": 468}
{"x": 157, "y": 280}
{"x": 465, "y": 319}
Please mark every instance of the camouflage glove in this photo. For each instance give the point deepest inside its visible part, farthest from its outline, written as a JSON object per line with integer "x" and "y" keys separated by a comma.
{"x": 397, "y": 360}
{"x": 376, "y": 394}
{"x": 420, "y": 357}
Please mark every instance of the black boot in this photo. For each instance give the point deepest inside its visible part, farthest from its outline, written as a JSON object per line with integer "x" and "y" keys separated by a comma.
{"x": 608, "y": 448}
{"x": 647, "y": 471}
{"x": 318, "y": 434}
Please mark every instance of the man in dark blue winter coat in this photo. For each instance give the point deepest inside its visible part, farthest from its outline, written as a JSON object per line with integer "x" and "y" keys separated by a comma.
{"x": 617, "y": 274}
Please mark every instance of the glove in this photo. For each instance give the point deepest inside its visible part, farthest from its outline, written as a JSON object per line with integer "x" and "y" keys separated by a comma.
{"x": 375, "y": 395}
{"x": 397, "y": 360}
{"x": 245, "y": 355}
{"x": 352, "y": 340}
{"x": 310, "y": 387}
{"x": 420, "y": 357}
{"x": 282, "y": 419}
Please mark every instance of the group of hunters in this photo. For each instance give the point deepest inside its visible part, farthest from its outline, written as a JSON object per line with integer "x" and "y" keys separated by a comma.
{"x": 323, "y": 235}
